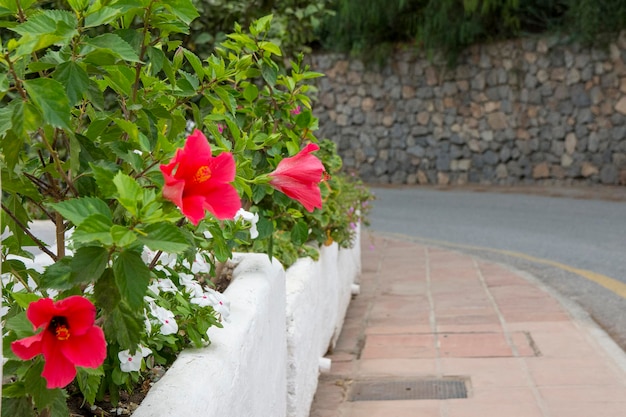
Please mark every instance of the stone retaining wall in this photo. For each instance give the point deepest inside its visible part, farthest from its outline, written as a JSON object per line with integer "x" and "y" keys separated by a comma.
{"x": 523, "y": 111}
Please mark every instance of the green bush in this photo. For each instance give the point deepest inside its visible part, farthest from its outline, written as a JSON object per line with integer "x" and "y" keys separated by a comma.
{"x": 449, "y": 26}
{"x": 294, "y": 26}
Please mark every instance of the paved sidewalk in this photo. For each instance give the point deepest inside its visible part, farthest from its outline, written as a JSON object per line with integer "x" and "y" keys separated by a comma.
{"x": 426, "y": 312}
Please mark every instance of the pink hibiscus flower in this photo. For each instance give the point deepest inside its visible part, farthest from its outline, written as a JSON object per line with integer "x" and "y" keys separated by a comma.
{"x": 69, "y": 338}
{"x": 196, "y": 181}
{"x": 299, "y": 176}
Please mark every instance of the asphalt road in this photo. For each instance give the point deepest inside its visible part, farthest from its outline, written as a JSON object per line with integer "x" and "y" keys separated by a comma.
{"x": 574, "y": 245}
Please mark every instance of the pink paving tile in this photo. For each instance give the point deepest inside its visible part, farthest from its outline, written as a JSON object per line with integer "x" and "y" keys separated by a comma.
{"x": 570, "y": 371}
{"x": 393, "y": 329}
{"x": 562, "y": 344}
{"x": 491, "y": 327}
{"x": 524, "y": 344}
{"x": 589, "y": 410}
{"x": 488, "y": 374}
{"x": 378, "y": 346}
{"x": 468, "y": 319}
{"x": 396, "y": 367}
{"x": 534, "y": 316}
{"x": 469, "y": 408}
{"x": 422, "y": 408}
{"x": 474, "y": 345}
{"x": 597, "y": 395}
{"x": 514, "y": 395}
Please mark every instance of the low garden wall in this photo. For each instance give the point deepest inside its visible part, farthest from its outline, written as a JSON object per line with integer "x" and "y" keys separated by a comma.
{"x": 532, "y": 110}
{"x": 266, "y": 360}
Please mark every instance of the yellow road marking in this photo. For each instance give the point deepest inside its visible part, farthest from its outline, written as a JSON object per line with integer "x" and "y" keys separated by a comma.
{"x": 615, "y": 286}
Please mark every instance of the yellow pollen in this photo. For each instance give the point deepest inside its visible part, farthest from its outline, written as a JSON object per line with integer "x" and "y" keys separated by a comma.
{"x": 62, "y": 332}
{"x": 202, "y": 174}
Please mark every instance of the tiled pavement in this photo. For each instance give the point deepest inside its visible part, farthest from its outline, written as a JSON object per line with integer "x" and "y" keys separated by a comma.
{"x": 430, "y": 312}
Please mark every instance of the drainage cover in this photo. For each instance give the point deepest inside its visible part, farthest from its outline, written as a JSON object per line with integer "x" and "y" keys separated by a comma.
{"x": 408, "y": 389}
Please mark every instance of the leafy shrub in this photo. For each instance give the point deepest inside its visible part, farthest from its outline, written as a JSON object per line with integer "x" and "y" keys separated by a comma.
{"x": 449, "y": 26}
{"x": 103, "y": 116}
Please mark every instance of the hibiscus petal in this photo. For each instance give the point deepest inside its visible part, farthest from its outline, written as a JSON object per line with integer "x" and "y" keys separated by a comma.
{"x": 79, "y": 312}
{"x": 223, "y": 168}
{"x": 29, "y": 347}
{"x": 173, "y": 190}
{"x": 223, "y": 201}
{"x": 41, "y": 312}
{"x": 88, "y": 350}
{"x": 193, "y": 208}
{"x": 57, "y": 370}
{"x": 308, "y": 194}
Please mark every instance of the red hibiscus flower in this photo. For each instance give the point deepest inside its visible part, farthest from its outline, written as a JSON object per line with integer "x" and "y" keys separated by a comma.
{"x": 69, "y": 338}
{"x": 195, "y": 181}
{"x": 298, "y": 177}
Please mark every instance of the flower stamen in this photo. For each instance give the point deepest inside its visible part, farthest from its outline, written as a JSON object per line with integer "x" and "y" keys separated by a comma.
{"x": 203, "y": 174}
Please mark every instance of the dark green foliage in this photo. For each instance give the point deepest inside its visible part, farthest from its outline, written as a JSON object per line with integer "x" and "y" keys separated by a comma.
{"x": 294, "y": 26}
{"x": 367, "y": 27}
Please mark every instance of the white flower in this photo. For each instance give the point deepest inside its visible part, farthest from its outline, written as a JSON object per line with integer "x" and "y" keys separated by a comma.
{"x": 192, "y": 286}
{"x": 219, "y": 303}
{"x": 166, "y": 318}
{"x": 200, "y": 265}
{"x": 208, "y": 234}
{"x": 166, "y": 285}
{"x": 203, "y": 300}
{"x": 132, "y": 363}
{"x": 154, "y": 287}
{"x": 251, "y": 218}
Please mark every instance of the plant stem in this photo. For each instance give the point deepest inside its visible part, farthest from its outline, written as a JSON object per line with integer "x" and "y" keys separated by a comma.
{"x": 41, "y": 245}
{"x": 60, "y": 234}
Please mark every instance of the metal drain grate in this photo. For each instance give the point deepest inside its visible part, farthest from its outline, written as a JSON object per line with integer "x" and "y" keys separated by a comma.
{"x": 408, "y": 389}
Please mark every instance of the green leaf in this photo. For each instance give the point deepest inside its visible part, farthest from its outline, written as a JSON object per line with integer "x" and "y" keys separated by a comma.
{"x": 20, "y": 325}
{"x": 269, "y": 73}
{"x": 78, "y": 5}
{"x": 124, "y": 326}
{"x": 270, "y": 47}
{"x": 300, "y": 233}
{"x": 95, "y": 228}
{"x": 59, "y": 407}
{"x": 105, "y": 291}
{"x": 122, "y": 236}
{"x": 12, "y": 407}
{"x": 251, "y": 92}
{"x": 88, "y": 264}
{"x": 303, "y": 120}
{"x": 50, "y": 97}
{"x": 183, "y": 9}
{"x": 5, "y": 119}
{"x": 164, "y": 237}
{"x": 23, "y": 299}
{"x": 114, "y": 44}
{"x": 58, "y": 275}
{"x": 132, "y": 277}
{"x": 89, "y": 382}
{"x": 103, "y": 174}
{"x": 36, "y": 387}
{"x": 129, "y": 192}
{"x": 74, "y": 78}
{"x": 195, "y": 62}
{"x": 77, "y": 210}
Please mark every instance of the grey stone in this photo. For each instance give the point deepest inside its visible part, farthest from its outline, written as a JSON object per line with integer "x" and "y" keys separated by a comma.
{"x": 609, "y": 174}
{"x": 490, "y": 157}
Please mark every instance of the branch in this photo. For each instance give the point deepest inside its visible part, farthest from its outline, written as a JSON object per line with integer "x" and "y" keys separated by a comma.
{"x": 40, "y": 244}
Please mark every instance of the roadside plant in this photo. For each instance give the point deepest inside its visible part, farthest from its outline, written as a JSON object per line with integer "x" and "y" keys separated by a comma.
{"x": 154, "y": 166}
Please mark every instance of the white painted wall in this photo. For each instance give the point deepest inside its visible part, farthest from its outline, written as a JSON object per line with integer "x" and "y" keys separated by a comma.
{"x": 242, "y": 373}
{"x": 318, "y": 294}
